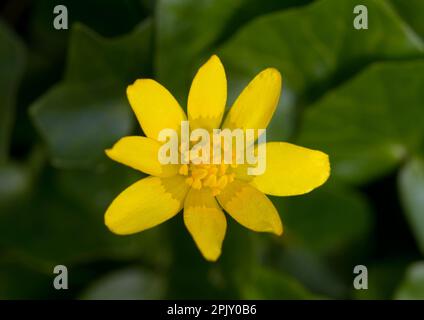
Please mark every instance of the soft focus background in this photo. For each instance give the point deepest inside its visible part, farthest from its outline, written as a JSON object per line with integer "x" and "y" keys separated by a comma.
{"x": 358, "y": 95}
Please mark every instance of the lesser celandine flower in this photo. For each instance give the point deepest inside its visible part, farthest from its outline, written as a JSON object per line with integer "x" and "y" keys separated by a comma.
{"x": 206, "y": 190}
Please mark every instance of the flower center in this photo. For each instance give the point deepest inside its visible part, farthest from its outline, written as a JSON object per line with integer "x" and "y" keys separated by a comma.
{"x": 213, "y": 176}
{"x": 208, "y": 175}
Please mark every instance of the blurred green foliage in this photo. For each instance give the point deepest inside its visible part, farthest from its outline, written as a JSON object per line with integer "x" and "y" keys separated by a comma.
{"x": 412, "y": 287}
{"x": 355, "y": 94}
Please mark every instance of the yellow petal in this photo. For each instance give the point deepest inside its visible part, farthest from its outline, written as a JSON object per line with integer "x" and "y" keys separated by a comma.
{"x": 292, "y": 170}
{"x": 205, "y": 221}
{"x": 141, "y": 153}
{"x": 250, "y": 207}
{"x": 154, "y": 107}
{"x": 255, "y": 106}
{"x": 145, "y": 204}
{"x": 240, "y": 172}
{"x": 208, "y": 95}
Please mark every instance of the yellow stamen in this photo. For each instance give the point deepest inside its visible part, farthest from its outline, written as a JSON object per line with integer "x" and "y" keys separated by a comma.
{"x": 216, "y": 191}
{"x": 222, "y": 168}
{"x": 183, "y": 170}
{"x": 222, "y": 182}
{"x": 199, "y": 173}
{"x": 210, "y": 181}
{"x": 189, "y": 181}
{"x": 197, "y": 184}
{"x": 213, "y": 170}
{"x": 206, "y": 175}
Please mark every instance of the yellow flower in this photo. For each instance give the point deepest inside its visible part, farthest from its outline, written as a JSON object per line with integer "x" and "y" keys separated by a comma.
{"x": 204, "y": 191}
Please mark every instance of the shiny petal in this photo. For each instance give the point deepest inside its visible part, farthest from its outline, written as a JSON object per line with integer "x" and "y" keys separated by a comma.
{"x": 208, "y": 95}
{"x": 145, "y": 204}
{"x": 255, "y": 106}
{"x": 141, "y": 153}
{"x": 154, "y": 107}
{"x": 205, "y": 221}
{"x": 292, "y": 170}
{"x": 250, "y": 207}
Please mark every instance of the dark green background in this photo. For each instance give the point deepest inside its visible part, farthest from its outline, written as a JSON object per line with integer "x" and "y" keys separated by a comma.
{"x": 358, "y": 95}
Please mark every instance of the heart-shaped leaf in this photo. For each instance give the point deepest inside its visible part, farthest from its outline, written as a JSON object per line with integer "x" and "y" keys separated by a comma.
{"x": 88, "y": 112}
{"x": 315, "y": 48}
{"x": 79, "y": 121}
{"x": 368, "y": 125}
{"x": 92, "y": 57}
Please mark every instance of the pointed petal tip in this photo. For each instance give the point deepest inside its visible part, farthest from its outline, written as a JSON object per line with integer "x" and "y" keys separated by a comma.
{"x": 328, "y": 166}
{"x": 212, "y": 258}
{"x": 110, "y": 225}
{"x": 326, "y": 169}
{"x": 138, "y": 82}
{"x": 277, "y": 226}
{"x": 215, "y": 57}
{"x": 109, "y": 153}
{"x": 215, "y": 60}
{"x": 131, "y": 86}
{"x": 273, "y": 73}
{"x": 279, "y": 230}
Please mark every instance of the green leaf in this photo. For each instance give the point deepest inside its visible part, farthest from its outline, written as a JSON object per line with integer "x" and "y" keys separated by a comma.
{"x": 12, "y": 61}
{"x": 315, "y": 272}
{"x": 413, "y": 13}
{"x": 326, "y": 220}
{"x": 185, "y": 29}
{"x": 88, "y": 112}
{"x": 79, "y": 121}
{"x": 92, "y": 57}
{"x": 189, "y": 30}
{"x": 412, "y": 287}
{"x": 268, "y": 284}
{"x": 315, "y": 48}
{"x": 368, "y": 125}
{"x": 19, "y": 281}
{"x": 95, "y": 189}
{"x": 56, "y": 227}
{"x": 127, "y": 284}
{"x": 411, "y": 189}
{"x": 109, "y": 18}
